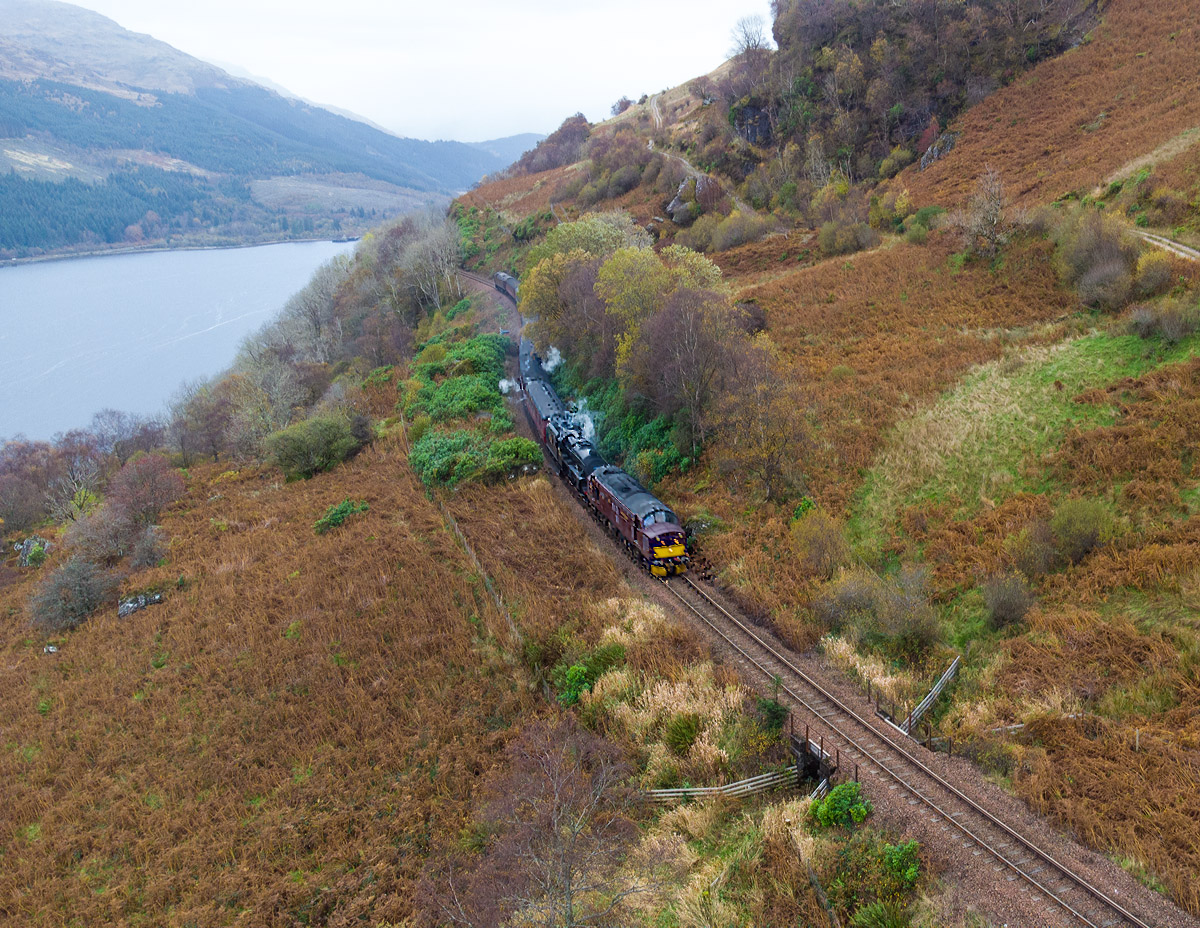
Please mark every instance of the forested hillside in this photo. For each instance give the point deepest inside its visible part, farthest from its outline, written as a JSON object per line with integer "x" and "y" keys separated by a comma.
{"x": 83, "y": 118}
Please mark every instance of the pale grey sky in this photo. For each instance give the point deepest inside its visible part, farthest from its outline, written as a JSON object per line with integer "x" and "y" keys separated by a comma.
{"x": 462, "y": 69}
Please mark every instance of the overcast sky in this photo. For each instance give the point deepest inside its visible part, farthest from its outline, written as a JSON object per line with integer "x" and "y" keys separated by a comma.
{"x": 457, "y": 69}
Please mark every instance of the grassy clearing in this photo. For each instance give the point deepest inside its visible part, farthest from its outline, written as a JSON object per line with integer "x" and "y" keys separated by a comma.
{"x": 976, "y": 444}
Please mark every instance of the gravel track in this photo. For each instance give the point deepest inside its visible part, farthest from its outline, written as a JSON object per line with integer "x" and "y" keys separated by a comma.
{"x": 1023, "y": 873}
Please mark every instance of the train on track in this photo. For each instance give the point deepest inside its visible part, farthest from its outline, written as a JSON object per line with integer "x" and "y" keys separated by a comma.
{"x": 645, "y": 525}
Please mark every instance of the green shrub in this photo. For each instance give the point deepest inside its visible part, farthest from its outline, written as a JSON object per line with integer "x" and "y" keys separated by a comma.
{"x": 1032, "y": 549}
{"x": 458, "y": 308}
{"x": 843, "y": 238}
{"x": 573, "y": 678}
{"x": 508, "y": 455}
{"x": 881, "y": 915}
{"x": 681, "y": 733}
{"x": 903, "y": 863}
{"x": 926, "y": 215}
{"x": 574, "y": 683}
{"x": 37, "y": 555}
{"x": 419, "y": 427}
{"x": 1080, "y": 526}
{"x": 773, "y": 712}
{"x": 459, "y": 397}
{"x": 1097, "y": 257}
{"x": 895, "y": 162}
{"x": 1172, "y": 321}
{"x": 740, "y": 228}
{"x": 623, "y": 180}
{"x": 336, "y": 515}
{"x": 845, "y": 805}
{"x": 312, "y": 446}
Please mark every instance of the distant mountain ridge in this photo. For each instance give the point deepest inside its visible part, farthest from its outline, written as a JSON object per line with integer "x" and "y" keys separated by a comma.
{"x": 83, "y": 98}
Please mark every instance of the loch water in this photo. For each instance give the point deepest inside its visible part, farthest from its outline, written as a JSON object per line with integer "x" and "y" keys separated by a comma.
{"x": 124, "y": 331}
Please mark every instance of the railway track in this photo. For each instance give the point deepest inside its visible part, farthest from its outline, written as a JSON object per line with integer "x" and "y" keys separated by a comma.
{"x": 977, "y": 831}
{"x": 974, "y": 827}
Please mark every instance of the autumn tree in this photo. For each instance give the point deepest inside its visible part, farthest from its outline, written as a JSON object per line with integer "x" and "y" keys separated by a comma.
{"x": 27, "y": 470}
{"x": 749, "y": 36}
{"x": 562, "y": 820}
{"x": 597, "y": 234}
{"x": 430, "y": 263}
{"x": 763, "y": 422}
{"x": 308, "y": 317}
{"x": 200, "y": 414}
{"x": 76, "y": 490}
{"x": 682, "y": 355}
{"x": 145, "y": 486}
{"x": 986, "y": 224}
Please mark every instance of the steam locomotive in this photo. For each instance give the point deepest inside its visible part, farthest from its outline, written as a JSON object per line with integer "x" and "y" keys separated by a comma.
{"x": 643, "y": 523}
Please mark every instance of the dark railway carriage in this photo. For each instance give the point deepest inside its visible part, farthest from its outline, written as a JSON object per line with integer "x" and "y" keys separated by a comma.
{"x": 530, "y": 364}
{"x": 640, "y": 518}
{"x": 544, "y": 404}
{"x": 505, "y": 283}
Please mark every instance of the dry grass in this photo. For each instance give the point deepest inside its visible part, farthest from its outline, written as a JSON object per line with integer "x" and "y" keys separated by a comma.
{"x": 1075, "y": 119}
{"x": 875, "y": 334}
{"x": 517, "y": 197}
{"x": 274, "y": 742}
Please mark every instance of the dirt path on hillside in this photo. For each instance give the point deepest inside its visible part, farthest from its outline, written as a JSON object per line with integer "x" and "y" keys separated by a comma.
{"x": 1175, "y": 248}
{"x": 656, "y": 113}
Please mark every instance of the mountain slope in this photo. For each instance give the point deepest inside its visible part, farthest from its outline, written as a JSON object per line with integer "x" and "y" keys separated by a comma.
{"x": 83, "y": 98}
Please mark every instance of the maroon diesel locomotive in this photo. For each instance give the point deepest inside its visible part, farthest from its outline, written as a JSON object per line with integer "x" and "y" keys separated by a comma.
{"x": 640, "y": 519}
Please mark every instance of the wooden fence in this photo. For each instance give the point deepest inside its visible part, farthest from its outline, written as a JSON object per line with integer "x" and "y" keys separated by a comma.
{"x": 779, "y": 779}
{"x": 923, "y": 706}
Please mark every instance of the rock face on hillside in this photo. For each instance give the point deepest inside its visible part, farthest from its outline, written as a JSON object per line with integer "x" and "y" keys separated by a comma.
{"x": 25, "y": 550}
{"x": 939, "y": 149}
{"x": 753, "y": 124}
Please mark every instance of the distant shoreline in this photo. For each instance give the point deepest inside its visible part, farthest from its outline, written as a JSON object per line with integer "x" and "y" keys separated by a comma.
{"x": 152, "y": 249}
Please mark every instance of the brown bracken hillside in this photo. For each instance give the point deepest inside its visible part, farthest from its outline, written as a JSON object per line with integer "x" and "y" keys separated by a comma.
{"x": 1074, "y": 120}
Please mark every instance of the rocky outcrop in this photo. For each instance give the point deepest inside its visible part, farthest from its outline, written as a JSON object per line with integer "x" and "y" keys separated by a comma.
{"x": 132, "y": 604}
{"x": 939, "y": 149}
{"x": 32, "y": 551}
{"x": 753, "y": 123}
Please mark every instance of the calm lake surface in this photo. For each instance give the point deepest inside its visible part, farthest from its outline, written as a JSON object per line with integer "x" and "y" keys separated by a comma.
{"x": 123, "y": 331}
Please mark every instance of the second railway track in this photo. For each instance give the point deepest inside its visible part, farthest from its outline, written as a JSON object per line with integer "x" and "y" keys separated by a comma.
{"x": 863, "y": 744}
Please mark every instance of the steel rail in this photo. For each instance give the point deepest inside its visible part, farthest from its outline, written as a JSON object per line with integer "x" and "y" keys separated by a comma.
{"x": 914, "y": 761}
